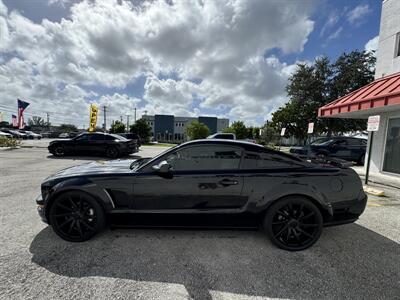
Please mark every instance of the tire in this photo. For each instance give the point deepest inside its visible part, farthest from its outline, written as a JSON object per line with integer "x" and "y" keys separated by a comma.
{"x": 76, "y": 216}
{"x": 112, "y": 152}
{"x": 361, "y": 161}
{"x": 58, "y": 151}
{"x": 293, "y": 223}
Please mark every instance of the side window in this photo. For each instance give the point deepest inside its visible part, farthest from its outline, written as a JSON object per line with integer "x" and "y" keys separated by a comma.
{"x": 96, "y": 137}
{"x": 83, "y": 137}
{"x": 253, "y": 160}
{"x": 354, "y": 142}
{"x": 109, "y": 138}
{"x": 340, "y": 143}
{"x": 207, "y": 157}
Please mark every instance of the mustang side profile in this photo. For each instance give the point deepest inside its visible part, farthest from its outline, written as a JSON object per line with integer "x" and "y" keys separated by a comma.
{"x": 290, "y": 198}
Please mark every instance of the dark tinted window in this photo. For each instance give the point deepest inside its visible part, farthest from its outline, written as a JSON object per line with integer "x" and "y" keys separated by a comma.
{"x": 340, "y": 143}
{"x": 224, "y": 136}
{"x": 206, "y": 157}
{"x": 96, "y": 137}
{"x": 354, "y": 142}
{"x": 83, "y": 137}
{"x": 253, "y": 160}
{"x": 109, "y": 138}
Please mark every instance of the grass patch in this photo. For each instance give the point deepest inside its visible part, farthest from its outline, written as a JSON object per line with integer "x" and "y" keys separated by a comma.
{"x": 9, "y": 142}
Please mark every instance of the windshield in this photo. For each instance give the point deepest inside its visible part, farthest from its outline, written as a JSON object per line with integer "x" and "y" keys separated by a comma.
{"x": 119, "y": 137}
{"x": 321, "y": 142}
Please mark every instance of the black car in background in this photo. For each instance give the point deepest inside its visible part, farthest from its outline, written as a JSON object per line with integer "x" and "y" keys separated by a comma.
{"x": 132, "y": 136}
{"x": 205, "y": 180}
{"x": 98, "y": 143}
{"x": 347, "y": 148}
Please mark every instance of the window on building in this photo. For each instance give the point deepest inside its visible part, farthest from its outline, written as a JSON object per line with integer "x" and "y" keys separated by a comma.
{"x": 392, "y": 149}
{"x": 397, "y": 49}
{"x": 205, "y": 157}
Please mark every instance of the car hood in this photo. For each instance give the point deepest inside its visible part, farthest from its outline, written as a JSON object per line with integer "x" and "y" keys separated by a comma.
{"x": 95, "y": 168}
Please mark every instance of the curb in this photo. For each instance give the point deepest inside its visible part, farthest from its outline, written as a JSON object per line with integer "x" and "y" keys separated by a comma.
{"x": 373, "y": 191}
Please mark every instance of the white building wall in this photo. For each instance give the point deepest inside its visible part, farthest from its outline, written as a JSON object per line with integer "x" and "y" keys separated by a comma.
{"x": 387, "y": 61}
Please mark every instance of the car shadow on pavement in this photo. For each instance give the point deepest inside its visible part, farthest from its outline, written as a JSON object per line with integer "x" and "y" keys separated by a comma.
{"x": 88, "y": 157}
{"x": 347, "y": 262}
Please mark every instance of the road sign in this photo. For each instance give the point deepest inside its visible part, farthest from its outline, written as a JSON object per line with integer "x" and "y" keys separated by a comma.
{"x": 373, "y": 123}
{"x": 310, "y": 128}
{"x": 283, "y": 130}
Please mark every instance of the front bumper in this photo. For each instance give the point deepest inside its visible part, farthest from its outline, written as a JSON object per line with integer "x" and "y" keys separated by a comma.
{"x": 41, "y": 208}
{"x": 345, "y": 212}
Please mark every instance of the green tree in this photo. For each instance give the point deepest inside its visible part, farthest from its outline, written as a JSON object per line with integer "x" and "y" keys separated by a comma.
{"x": 37, "y": 121}
{"x": 312, "y": 86}
{"x": 239, "y": 129}
{"x": 142, "y": 129}
{"x": 117, "y": 127}
{"x": 68, "y": 128}
{"x": 196, "y": 130}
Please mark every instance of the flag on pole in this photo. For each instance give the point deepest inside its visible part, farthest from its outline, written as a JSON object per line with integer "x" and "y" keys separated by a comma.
{"x": 21, "y": 107}
{"x": 14, "y": 121}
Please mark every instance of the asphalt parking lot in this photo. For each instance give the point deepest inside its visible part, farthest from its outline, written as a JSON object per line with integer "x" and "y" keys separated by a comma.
{"x": 357, "y": 261}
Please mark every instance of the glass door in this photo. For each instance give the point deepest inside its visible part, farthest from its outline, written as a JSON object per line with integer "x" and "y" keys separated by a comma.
{"x": 392, "y": 149}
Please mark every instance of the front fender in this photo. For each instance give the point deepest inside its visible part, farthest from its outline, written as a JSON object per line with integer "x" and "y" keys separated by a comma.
{"x": 83, "y": 185}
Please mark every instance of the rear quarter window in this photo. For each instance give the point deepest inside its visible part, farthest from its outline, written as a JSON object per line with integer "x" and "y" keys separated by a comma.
{"x": 254, "y": 160}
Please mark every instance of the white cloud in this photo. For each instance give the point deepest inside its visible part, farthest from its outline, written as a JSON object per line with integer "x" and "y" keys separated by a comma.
{"x": 356, "y": 15}
{"x": 332, "y": 21}
{"x": 213, "y": 50}
{"x": 335, "y": 34}
{"x": 372, "y": 44}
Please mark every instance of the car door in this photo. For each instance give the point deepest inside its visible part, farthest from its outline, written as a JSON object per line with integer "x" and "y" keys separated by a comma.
{"x": 97, "y": 143}
{"x": 202, "y": 177}
{"x": 340, "y": 149}
{"x": 81, "y": 143}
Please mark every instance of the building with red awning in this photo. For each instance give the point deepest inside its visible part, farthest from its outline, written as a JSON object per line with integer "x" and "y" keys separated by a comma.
{"x": 380, "y": 97}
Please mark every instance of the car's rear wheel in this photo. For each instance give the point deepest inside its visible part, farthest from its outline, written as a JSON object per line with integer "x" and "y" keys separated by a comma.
{"x": 76, "y": 216}
{"x": 293, "y": 223}
{"x": 112, "y": 152}
{"x": 59, "y": 151}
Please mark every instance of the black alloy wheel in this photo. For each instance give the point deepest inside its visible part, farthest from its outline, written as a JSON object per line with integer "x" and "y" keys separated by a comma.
{"x": 76, "y": 217}
{"x": 59, "y": 151}
{"x": 112, "y": 152}
{"x": 293, "y": 223}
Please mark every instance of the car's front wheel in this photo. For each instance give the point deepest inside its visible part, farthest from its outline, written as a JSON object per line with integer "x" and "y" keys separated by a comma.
{"x": 293, "y": 223}
{"x": 58, "y": 150}
{"x": 76, "y": 216}
{"x": 112, "y": 152}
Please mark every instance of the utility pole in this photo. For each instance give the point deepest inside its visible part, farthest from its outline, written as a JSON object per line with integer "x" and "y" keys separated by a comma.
{"x": 135, "y": 115}
{"x": 48, "y": 120}
{"x": 127, "y": 123}
{"x": 104, "y": 115}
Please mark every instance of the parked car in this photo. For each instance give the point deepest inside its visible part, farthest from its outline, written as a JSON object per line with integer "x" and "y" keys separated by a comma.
{"x": 132, "y": 136}
{"x": 347, "y": 148}
{"x": 97, "y": 143}
{"x": 15, "y": 133}
{"x": 5, "y": 134}
{"x": 223, "y": 136}
{"x": 290, "y": 198}
{"x": 31, "y": 135}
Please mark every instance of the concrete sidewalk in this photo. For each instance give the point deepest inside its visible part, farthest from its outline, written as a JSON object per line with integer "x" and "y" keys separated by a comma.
{"x": 378, "y": 178}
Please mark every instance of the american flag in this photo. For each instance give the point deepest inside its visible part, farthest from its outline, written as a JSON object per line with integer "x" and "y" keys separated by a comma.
{"x": 21, "y": 107}
{"x": 14, "y": 121}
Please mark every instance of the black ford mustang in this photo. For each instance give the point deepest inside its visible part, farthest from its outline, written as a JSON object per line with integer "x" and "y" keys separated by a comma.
{"x": 96, "y": 143}
{"x": 290, "y": 198}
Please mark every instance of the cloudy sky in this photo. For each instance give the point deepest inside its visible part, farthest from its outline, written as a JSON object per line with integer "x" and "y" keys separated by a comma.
{"x": 192, "y": 57}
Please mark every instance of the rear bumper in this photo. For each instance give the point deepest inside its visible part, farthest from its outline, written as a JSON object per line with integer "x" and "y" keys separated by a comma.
{"x": 346, "y": 212}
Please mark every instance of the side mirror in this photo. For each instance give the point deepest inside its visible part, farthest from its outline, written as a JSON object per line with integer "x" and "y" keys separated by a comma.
{"x": 162, "y": 168}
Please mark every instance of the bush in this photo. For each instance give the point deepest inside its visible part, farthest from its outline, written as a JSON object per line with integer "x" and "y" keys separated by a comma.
{"x": 7, "y": 142}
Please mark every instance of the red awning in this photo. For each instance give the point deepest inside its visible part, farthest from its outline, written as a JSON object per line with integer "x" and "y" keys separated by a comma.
{"x": 382, "y": 92}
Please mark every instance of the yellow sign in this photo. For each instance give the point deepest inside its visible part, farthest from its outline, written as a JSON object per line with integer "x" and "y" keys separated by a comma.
{"x": 93, "y": 117}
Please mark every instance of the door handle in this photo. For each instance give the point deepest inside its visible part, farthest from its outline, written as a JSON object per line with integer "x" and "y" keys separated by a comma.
{"x": 227, "y": 182}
